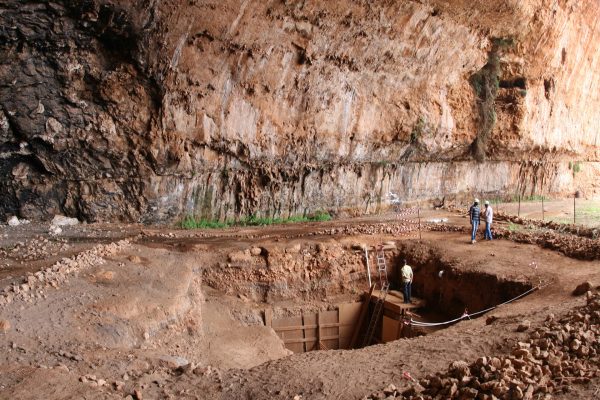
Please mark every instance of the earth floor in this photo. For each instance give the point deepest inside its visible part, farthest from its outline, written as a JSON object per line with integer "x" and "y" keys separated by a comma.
{"x": 166, "y": 315}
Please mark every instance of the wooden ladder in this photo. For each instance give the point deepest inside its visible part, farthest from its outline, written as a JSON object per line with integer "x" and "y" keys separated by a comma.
{"x": 377, "y": 311}
{"x": 379, "y": 303}
{"x": 381, "y": 267}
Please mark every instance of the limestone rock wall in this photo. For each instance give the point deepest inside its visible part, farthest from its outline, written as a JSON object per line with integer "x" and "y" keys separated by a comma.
{"x": 148, "y": 111}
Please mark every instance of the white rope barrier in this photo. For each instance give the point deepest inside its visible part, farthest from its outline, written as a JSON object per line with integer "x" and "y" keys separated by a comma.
{"x": 468, "y": 316}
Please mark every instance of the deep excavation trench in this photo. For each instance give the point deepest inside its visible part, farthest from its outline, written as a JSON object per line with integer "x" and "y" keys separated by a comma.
{"x": 311, "y": 294}
{"x": 449, "y": 293}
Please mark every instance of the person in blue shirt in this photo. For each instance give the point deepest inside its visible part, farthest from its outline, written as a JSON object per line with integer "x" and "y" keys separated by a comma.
{"x": 474, "y": 217}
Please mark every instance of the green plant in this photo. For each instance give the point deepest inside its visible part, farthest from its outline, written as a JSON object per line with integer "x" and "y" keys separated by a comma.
{"x": 486, "y": 83}
{"x": 503, "y": 42}
{"x": 321, "y": 216}
{"x": 512, "y": 227}
{"x": 531, "y": 198}
{"x": 418, "y": 130}
{"x": 224, "y": 174}
{"x": 194, "y": 223}
{"x": 591, "y": 213}
{"x": 577, "y": 167}
{"x": 191, "y": 222}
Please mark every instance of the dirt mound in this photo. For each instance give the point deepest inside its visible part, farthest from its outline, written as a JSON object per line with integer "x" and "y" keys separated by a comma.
{"x": 557, "y": 355}
{"x": 570, "y": 245}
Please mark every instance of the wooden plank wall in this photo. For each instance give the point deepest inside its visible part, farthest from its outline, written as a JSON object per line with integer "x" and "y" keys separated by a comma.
{"x": 322, "y": 330}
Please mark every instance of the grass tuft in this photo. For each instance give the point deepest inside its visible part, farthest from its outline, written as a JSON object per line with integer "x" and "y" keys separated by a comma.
{"x": 532, "y": 198}
{"x": 512, "y": 227}
{"x": 191, "y": 222}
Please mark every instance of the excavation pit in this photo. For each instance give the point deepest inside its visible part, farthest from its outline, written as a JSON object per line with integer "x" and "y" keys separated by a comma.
{"x": 313, "y": 295}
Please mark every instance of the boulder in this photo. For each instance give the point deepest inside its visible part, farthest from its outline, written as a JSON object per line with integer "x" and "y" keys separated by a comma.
{"x": 134, "y": 259}
{"x": 54, "y": 230}
{"x": 61, "y": 220}
{"x": 173, "y": 361}
{"x": 14, "y": 221}
{"x": 4, "y": 325}
{"x": 523, "y": 326}
{"x": 582, "y": 288}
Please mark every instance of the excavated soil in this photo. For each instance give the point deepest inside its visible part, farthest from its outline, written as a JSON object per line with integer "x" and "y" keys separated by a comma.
{"x": 109, "y": 311}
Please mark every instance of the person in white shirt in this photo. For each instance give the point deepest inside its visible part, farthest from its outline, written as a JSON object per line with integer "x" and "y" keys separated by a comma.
{"x": 407, "y": 278}
{"x": 488, "y": 213}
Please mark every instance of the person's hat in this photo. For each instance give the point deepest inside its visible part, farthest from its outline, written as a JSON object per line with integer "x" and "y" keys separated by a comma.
{"x": 487, "y": 203}
{"x": 476, "y": 200}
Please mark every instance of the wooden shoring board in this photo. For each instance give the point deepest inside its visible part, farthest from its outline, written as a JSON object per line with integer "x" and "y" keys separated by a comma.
{"x": 395, "y": 303}
{"x": 290, "y": 337}
{"x": 311, "y": 334}
{"x": 389, "y": 331}
{"x": 349, "y": 315}
{"x": 331, "y": 329}
{"x": 312, "y": 339}
{"x": 392, "y": 315}
{"x": 285, "y": 328}
{"x": 361, "y": 318}
{"x": 331, "y": 334}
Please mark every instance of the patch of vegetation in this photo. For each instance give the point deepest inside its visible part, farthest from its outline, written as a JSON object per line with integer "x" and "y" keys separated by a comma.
{"x": 503, "y": 42}
{"x": 531, "y": 198}
{"x": 224, "y": 174}
{"x": 418, "y": 130}
{"x": 512, "y": 227}
{"x": 191, "y": 222}
{"x": 590, "y": 214}
{"x": 486, "y": 83}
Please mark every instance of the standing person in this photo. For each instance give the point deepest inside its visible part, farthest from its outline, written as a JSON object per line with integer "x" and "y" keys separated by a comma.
{"x": 474, "y": 216}
{"x": 407, "y": 278}
{"x": 489, "y": 216}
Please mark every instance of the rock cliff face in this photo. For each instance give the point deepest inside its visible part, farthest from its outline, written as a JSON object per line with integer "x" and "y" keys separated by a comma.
{"x": 150, "y": 110}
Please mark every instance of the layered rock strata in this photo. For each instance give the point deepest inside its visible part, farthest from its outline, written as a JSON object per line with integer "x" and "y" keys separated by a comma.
{"x": 148, "y": 111}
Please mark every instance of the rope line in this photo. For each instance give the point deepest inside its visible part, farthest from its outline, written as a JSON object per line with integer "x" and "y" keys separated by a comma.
{"x": 466, "y": 316}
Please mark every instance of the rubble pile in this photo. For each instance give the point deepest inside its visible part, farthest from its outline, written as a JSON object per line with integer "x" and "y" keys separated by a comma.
{"x": 447, "y": 228}
{"x": 14, "y": 221}
{"x": 33, "y": 286}
{"x": 560, "y": 353}
{"x": 35, "y": 249}
{"x": 570, "y": 245}
{"x": 591, "y": 233}
{"x": 399, "y": 227}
